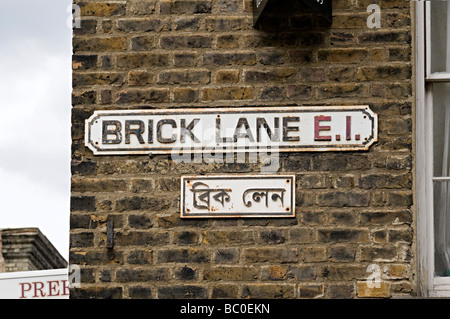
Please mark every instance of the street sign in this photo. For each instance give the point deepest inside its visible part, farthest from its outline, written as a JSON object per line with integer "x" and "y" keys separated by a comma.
{"x": 237, "y": 196}
{"x": 223, "y": 130}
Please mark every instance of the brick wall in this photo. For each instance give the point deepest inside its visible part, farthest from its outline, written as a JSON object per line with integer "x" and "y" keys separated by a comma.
{"x": 353, "y": 208}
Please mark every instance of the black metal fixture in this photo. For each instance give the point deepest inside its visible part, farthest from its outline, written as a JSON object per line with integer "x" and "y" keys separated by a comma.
{"x": 322, "y": 7}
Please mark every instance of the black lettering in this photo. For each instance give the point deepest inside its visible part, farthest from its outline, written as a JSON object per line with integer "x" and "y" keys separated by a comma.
{"x": 106, "y": 130}
{"x": 220, "y": 139}
{"x": 136, "y": 131}
{"x": 287, "y": 128}
{"x": 243, "y": 122}
{"x": 260, "y": 121}
{"x": 159, "y": 136}
{"x": 184, "y": 130}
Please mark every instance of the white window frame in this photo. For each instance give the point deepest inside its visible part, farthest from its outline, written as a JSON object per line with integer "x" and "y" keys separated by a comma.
{"x": 429, "y": 285}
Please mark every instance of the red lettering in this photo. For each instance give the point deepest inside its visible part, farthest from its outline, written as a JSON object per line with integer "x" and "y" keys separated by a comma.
{"x": 66, "y": 288}
{"x": 22, "y": 286}
{"x": 36, "y": 289}
{"x": 318, "y": 128}
{"x": 348, "y": 134}
{"x": 53, "y": 285}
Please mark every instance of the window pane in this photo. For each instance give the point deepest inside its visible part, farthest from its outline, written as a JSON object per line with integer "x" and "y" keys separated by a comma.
{"x": 442, "y": 228}
{"x": 441, "y": 163}
{"x": 441, "y": 129}
{"x": 440, "y": 43}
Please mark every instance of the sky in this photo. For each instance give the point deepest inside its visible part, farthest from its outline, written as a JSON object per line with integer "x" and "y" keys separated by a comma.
{"x": 35, "y": 103}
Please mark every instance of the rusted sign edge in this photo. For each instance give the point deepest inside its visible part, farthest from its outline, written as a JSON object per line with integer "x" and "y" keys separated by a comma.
{"x": 291, "y": 177}
{"x": 227, "y": 110}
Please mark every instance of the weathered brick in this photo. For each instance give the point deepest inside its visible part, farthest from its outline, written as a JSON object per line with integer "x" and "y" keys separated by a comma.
{"x": 279, "y": 74}
{"x": 312, "y": 254}
{"x": 96, "y": 257}
{"x": 96, "y": 185}
{"x": 184, "y": 77}
{"x": 391, "y": 72}
{"x": 228, "y": 41}
{"x": 385, "y": 37}
{"x": 185, "y": 41}
{"x": 274, "y": 93}
{"x": 182, "y": 292}
{"x": 84, "y": 239}
{"x": 84, "y": 97}
{"x": 140, "y": 78}
{"x": 96, "y": 292}
{"x": 143, "y": 43}
{"x": 82, "y": 203}
{"x": 84, "y": 62}
{"x": 142, "y": 203}
{"x": 231, "y": 273}
{"x": 86, "y": 27}
{"x": 342, "y": 254}
{"x": 227, "y": 24}
{"x": 342, "y": 55}
{"x": 91, "y": 79}
{"x": 225, "y": 291}
{"x": 141, "y": 7}
{"x": 343, "y": 199}
{"x": 280, "y": 255}
{"x": 382, "y": 253}
{"x": 229, "y": 59}
{"x": 186, "y": 237}
{"x": 112, "y": 44}
{"x": 101, "y": 9}
{"x": 299, "y": 91}
{"x": 221, "y": 237}
{"x": 186, "y": 273}
{"x": 345, "y": 272}
{"x": 274, "y": 273}
{"x": 186, "y": 7}
{"x": 226, "y": 255}
{"x": 301, "y": 235}
{"x": 269, "y": 237}
{"x": 142, "y": 274}
{"x": 272, "y": 291}
{"x": 340, "y": 291}
{"x": 373, "y": 290}
{"x": 143, "y": 25}
{"x": 227, "y": 76}
{"x": 140, "y": 292}
{"x": 187, "y": 24}
{"x": 139, "y": 238}
{"x": 143, "y": 96}
{"x": 191, "y": 255}
{"x": 187, "y": 95}
{"x": 342, "y": 235}
{"x": 139, "y": 257}
{"x": 142, "y": 60}
{"x": 386, "y": 218}
{"x": 139, "y": 221}
{"x": 227, "y": 93}
{"x": 342, "y": 90}
{"x": 310, "y": 290}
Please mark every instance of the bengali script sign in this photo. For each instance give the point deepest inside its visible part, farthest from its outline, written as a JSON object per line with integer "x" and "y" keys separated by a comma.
{"x": 238, "y": 196}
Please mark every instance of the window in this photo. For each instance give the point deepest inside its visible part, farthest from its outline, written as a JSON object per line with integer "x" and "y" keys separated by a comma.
{"x": 433, "y": 146}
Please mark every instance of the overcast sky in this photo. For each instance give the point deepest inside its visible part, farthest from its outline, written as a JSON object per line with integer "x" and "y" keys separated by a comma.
{"x": 35, "y": 102}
